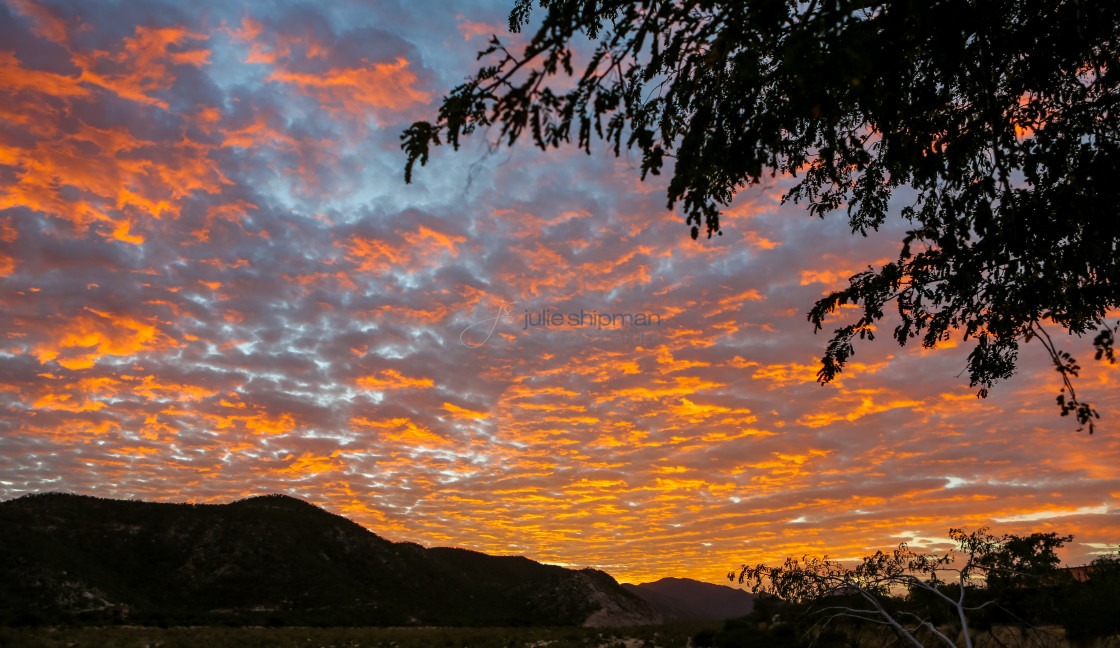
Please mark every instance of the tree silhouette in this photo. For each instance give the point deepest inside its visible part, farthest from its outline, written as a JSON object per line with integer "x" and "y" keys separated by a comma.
{"x": 1001, "y": 115}
{"x": 915, "y": 594}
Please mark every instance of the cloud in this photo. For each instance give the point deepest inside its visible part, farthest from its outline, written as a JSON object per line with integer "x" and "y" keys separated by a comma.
{"x": 216, "y": 284}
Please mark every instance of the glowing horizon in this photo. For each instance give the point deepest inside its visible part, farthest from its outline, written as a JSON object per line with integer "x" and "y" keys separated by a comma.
{"x": 215, "y": 284}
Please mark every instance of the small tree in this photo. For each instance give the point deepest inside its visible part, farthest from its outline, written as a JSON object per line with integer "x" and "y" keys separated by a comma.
{"x": 885, "y": 588}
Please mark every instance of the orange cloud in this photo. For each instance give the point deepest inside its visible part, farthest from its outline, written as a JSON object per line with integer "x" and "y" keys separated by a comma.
{"x": 470, "y": 28}
{"x": 463, "y": 413}
{"x": 141, "y": 66}
{"x": 428, "y": 245}
{"x": 696, "y": 413}
{"x": 355, "y": 91}
{"x": 424, "y": 247}
{"x": 126, "y": 182}
{"x": 756, "y": 240}
{"x": 392, "y": 379}
{"x": 373, "y": 255}
{"x": 257, "y": 133}
{"x": 17, "y": 78}
{"x": 858, "y": 404}
{"x": 45, "y": 22}
{"x": 402, "y": 430}
{"x": 262, "y": 423}
{"x": 780, "y": 375}
{"x": 678, "y": 386}
{"x": 91, "y": 335}
{"x": 825, "y": 276}
{"x": 88, "y": 174}
{"x": 309, "y": 465}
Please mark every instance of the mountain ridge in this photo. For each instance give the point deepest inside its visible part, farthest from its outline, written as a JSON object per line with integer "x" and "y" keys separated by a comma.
{"x": 686, "y": 599}
{"x": 271, "y": 559}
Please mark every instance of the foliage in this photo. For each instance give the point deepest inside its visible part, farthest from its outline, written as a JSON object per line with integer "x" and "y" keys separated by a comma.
{"x": 751, "y": 632}
{"x": 1089, "y": 609}
{"x": 1016, "y": 562}
{"x": 914, "y": 594}
{"x": 999, "y": 118}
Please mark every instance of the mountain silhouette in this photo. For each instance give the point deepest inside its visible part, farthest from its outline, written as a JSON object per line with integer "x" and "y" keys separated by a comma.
{"x": 270, "y": 560}
{"x": 684, "y": 599}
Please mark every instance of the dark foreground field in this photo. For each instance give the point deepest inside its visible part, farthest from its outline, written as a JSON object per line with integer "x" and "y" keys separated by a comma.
{"x": 670, "y": 636}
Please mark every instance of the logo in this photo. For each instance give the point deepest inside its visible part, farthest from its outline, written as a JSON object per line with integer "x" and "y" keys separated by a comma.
{"x": 490, "y": 324}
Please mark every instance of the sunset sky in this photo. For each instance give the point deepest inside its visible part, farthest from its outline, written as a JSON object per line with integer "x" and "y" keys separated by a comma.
{"x": 214, "y": 283}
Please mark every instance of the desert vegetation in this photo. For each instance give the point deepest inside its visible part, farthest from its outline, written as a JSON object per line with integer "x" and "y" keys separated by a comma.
{"x": 989, "y": 590}
{"x": 668, "y": 636}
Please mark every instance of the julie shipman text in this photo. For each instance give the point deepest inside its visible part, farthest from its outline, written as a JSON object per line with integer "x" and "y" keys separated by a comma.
{"x": 548, "y": 318}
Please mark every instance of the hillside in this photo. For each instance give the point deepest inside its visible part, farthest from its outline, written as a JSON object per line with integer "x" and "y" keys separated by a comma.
{"x": 684, "y": 599}
{"x": 270, "y": 560}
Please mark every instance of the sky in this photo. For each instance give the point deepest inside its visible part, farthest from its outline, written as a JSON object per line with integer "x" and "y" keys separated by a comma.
{"x": 214, "y": 283}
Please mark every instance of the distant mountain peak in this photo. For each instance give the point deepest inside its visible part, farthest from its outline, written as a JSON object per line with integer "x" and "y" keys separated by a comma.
{"x": 672, "y": 579}
{"x": 686, "y": 599}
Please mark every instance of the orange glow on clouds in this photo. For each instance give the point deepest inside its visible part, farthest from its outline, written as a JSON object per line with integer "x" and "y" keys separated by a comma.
{"x": 141, "y": 66}
{"x": 356, "y": 90}
{"x": 80, "y": 342}
{"x": 215, "y": 284}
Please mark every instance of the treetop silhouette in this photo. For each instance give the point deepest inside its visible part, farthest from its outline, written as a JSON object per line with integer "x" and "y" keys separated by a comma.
{"x": 1000, "y": 115}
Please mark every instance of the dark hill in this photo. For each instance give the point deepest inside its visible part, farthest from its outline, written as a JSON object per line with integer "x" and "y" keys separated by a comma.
{"x": 684, "y": 599}
{"x": 270, "y": 560}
